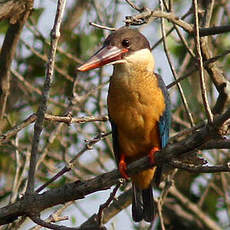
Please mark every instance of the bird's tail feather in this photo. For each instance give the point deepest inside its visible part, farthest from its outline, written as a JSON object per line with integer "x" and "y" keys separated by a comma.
{"x": 143, "y": 204}
{"x": 148, "y": 204}
{"x": 137, "y": 207}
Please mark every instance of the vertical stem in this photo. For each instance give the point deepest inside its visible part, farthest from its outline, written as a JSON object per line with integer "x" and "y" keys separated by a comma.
{"x": 7, "y": 53}
{"x": 174, "y": 72}
{"x": 200, "y": 63}
{"x": 55, "y": 34}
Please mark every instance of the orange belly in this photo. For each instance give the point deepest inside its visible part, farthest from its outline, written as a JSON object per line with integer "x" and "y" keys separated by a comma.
{"x": 135, "y": 106}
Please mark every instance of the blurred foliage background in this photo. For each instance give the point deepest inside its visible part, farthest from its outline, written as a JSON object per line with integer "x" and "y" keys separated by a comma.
{"x": 84, "y": 94}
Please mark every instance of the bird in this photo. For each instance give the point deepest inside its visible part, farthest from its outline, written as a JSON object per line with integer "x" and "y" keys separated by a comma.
{"x": 139, "y": 111}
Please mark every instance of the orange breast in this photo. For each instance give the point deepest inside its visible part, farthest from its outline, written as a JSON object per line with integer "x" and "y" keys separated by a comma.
{"x": 135, "y": 104}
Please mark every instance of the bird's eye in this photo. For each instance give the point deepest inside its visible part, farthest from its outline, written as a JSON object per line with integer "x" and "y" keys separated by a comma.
{"x": 125, "y": 43}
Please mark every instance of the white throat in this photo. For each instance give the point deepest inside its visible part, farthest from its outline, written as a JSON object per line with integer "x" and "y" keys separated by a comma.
{"x": 141, "y": 60}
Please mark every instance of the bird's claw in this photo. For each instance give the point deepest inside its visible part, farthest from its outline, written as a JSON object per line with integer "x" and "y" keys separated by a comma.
{"x": 152, "y": 154}
{"x": 123, "y": 168}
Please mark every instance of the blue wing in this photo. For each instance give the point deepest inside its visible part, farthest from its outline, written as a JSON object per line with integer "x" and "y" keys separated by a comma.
{"x": 165, "y": 119}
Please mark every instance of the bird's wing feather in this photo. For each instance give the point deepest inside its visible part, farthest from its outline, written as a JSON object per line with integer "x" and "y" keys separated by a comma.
{"x": 165, "y": 119}
{"x": 163, "y": 125}
{"x": 115, "y": 141}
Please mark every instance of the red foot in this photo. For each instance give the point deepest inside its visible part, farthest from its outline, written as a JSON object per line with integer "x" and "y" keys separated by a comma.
{"x": 123, "y": 167}
{"x": 152, "y": 154}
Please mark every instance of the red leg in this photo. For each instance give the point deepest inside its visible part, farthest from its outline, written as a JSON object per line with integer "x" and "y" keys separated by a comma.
{"x": 152, "y": 154}
{"x": 123, "y": 167}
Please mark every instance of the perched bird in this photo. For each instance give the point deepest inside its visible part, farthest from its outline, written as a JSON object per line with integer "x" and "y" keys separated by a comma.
{"x": 139, "y": 110}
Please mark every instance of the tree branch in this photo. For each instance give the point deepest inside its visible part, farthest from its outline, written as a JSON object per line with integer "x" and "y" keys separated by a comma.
{"x": 13, "y": 9}
{"x": 146, "y": 14}
{"x": 123, "y": 201}
{"x": 206, "y": 220}
{"x": 55, "y": 34}
{"x": 32, "y": 118}
{"x": 200, "y": 63}
{"x": 8, "y": 52}
{"x": 79, "y": 189}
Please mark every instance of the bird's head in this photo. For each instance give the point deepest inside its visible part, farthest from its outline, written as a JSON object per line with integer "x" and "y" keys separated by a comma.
{"x": 124, "y": 46}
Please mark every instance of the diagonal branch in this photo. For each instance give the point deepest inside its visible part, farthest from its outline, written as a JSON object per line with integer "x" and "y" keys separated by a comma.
{"x": 55, "y": 34}
{"x": 35, "y": 203}
{"x": 185, "y": 103}
{"x": 7, "y": 54}
{"x": 200, "y": 63}
{"x": 206, "y": 220}
{"x": 120, "y": 203}
{"x": 145, "y": 14}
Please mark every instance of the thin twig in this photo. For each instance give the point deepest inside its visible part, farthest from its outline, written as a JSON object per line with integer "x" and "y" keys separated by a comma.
{"x": 209, "y": 12}
{"x": 42, "y": 223}
{"x": 170, "y": 30}
{"x": 29, "y": 87}
{"x": 66, "y": 119}
{"x": 40, "y": 36}
{"x": 205, "y": 193}
{"x": 200, "y": 169}
{"x": 7, "y": 54}
{"x": 194, "y": 68}
{"x": 17, "y": 173}
{"x": 107, "y": 203}
{"x": 146, "y": 14}
{"x": 200, "y": 63}
{"x": 44, "y": 58}
{"x": 159, "y": 208}
{"x": 102, "y": 27}
{"x": 55, "y": 217}
{"x": 12, "y": 132}
{"x": 88, "y": 146}
{"x": 134, "y": 6}
{"x": 122, "y": 202}
{"x": 205, "y": 219}
{"x": 225, "y": 186}
{"x": 174, "y": 73}
{"x": 55, "y": 34}
{"x": 69, "y": 119}
{"x": 182, "y": 38}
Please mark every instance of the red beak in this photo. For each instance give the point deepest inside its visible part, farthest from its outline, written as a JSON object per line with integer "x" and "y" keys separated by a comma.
{"x": 105, "y": 55}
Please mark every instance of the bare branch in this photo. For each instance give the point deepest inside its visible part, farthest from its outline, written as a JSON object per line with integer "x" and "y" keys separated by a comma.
{"x": 118, "y": 204}
{"x": 88, "y": 146}
{"x": 200, "y": 63}
{"x": 55, "y": 217}
{"x": 42, "y": 223}
{"x": 69, "y": 119}
{"x": 200, "y": 169}
{"x": 102, "y": 207}
{"x": 80, "y": 189}
{"x": 146, "y": 14}
{"x": 8, "y": 52}
{"x": 55, "y": 34}
{"x": 66, "y": 119}
{"x": 214, "y": 30}
{"x": 46, "y": 59}
{"x": 206, "y": 220}
{"x": 13, "y": 10}
{"x": 102, "y": 27}
{"x": 189, "y": 114}
{"x": 12, "y": 132}
{"x": 134, "y": 6}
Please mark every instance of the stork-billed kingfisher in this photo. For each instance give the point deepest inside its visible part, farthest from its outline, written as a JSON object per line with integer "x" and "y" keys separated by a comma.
{"x": 139, "y": 110}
